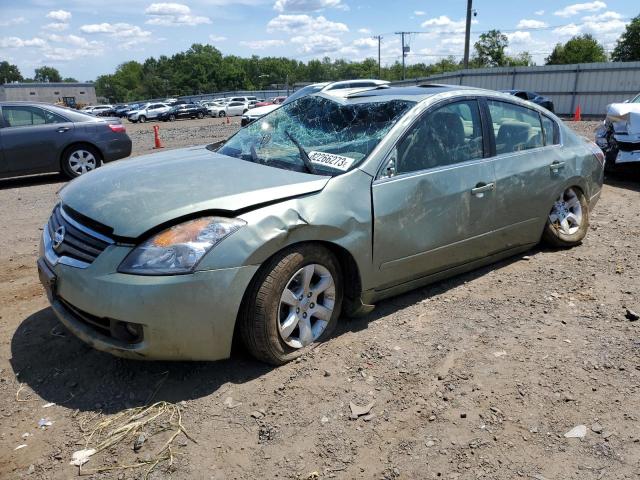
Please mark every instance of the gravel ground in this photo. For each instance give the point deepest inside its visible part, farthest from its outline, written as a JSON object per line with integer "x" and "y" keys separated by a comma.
{"x": 476, "y": 377}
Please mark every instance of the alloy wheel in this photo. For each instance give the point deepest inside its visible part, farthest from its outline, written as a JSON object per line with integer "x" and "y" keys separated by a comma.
{"x": 82, "y": 161}
{"x": 306, "y": 305}
{"x": 566, "y": 214}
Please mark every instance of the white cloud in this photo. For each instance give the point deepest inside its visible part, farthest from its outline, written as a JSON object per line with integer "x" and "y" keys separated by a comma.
{"x": 56, "y": 26}
{"x": 576, "y": 8}
{"x": 59, "y": 15}
{"x": 444, "y": 21}
{"x": 13, "y": 21}
{"x": 419, "y": 13}
{"x": 525, "y": 23}
{"x": 519, "y": 37}
{"x": 568, "y": 30}
{"x": 539, "y": 12}
{"x": 304, "y": 24}
{"x": 173, "y": 14}
{"x": 262, "y": 44}
{"x": 364, "y": 31}
{"x": 217, "y": 38}
{"x": 366, "y": 42}
{"x": 602, "y": 17}
{"x": 16, "y": 42}
{"x": 317, "y": 43}
{"x": 302, "y": 6}
{"x": 63, "y": 54}
{"x": 128, "y": 35}
{"x": 75, "y": 41}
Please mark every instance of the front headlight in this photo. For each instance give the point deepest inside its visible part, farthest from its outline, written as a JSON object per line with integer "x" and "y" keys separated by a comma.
{"x": 179, "y": 248}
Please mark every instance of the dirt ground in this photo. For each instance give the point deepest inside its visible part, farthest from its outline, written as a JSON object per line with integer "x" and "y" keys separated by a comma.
{"x": 476, "y": 377}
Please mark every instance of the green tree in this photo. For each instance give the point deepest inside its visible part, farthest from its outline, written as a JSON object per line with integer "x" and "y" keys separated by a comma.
{"x": 9, "y": 73}
{"x": 628, "y": 46}
{"x": 579, "y": 49}
{"x": 523, "y": 59}
{"x": 490, "y": 49}
{"x": 47, "y": 74}
{"x": 70, "y": 80}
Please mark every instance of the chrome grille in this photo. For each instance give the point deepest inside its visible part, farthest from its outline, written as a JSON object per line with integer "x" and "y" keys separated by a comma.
{"x": 71, "y": 243}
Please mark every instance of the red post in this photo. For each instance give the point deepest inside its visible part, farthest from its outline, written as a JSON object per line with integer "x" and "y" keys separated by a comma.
{"x": 156, "y": 136}
{"x": 228, "y": 120}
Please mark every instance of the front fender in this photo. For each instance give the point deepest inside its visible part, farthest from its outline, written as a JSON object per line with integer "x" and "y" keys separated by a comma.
{"x": 340, "y": 214}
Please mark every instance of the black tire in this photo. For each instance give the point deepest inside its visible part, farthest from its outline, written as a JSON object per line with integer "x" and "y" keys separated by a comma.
{"x": 200, "y": 115}
{"x": 68, "y": 154}
{"x": 553, "y": 236}
{"x": 142, "y": 119}
{"x": 258, "y": 320}
{"x": 172, "y": 118}
{"x": 222, "y": 114}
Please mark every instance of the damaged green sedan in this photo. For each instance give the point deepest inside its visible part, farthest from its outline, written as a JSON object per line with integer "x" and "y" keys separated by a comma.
{"x": 314, "y": 212}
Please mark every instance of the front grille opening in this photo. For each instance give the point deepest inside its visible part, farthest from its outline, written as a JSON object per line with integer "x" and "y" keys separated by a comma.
{"x": 126, "y": 332}
{"x": 78, "y": 242}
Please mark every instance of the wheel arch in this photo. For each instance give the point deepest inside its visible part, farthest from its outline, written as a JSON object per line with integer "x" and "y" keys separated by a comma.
{"x": 76, "y": 144}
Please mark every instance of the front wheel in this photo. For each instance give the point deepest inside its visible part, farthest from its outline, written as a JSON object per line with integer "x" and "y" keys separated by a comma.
{"x": 293, "y": 303}
{"x": 200, "y": 115}
{"x": 222, "y": 114}
{"x": 142, "y": 119}
{"x": 568, "y": 220}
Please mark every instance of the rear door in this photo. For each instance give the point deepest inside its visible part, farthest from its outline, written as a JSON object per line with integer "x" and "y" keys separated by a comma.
{"x": 530, "y": 168}
{"x": 33, "y": 138}
{"x": 434, "y": 200}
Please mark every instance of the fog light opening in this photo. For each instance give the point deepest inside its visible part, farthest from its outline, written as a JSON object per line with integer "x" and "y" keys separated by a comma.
{"x": 126, "y": 331}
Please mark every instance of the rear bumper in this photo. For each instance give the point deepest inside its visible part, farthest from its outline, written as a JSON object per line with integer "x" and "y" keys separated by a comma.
{"x": 628, "y": 156}
{"x": 116, "y": 148}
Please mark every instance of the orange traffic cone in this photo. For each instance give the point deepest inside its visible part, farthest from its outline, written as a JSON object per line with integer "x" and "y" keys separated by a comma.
{"x": 228, "y": 121}
{"x": 576, "y": 116}
{"x": 158, "y": 143}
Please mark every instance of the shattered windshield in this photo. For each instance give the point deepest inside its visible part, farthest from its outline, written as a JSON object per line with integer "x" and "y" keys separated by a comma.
{"x": 316, "y": 134}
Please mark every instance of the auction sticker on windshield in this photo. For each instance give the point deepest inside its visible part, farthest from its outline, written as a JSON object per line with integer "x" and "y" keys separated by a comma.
{"x": 331, "y": 160}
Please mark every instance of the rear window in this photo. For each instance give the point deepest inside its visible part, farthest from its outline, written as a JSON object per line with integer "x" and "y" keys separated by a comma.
{"x": 515, "y": 128}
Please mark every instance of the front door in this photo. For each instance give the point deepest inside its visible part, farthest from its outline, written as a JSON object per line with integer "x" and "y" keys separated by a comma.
{"x": 433, "y": 205}
{"x": 33, "y": 138}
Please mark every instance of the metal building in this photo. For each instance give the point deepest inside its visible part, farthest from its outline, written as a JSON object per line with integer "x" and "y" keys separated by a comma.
{"x": 70, "y": 94}
{"x": 592, "y": 86}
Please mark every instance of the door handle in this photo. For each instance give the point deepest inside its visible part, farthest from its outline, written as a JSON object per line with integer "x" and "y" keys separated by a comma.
{"x": 555, "y": 166}
{"x": 480, "y": 188}
{"x": 62, "y": 129}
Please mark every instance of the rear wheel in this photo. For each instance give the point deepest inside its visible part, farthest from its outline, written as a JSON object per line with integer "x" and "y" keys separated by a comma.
{"x": 222, "y": 114}
{"x": 80, "y": 159}
{"x": 200, "y": 115}
{"x": 172, "y": 118}
{"x": 293, "y": 303}
{"x": 568, "y": 220}
{"x": 142, "y": 119}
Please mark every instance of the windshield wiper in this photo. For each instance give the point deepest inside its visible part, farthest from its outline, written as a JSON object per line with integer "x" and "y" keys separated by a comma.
{"x": 255, "y": 157}
{"x": 303, "y": 154}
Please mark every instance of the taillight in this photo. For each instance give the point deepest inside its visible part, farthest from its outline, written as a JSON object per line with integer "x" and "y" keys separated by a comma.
{"x": 117, "y": 127}
{"x": 597, "y": 151}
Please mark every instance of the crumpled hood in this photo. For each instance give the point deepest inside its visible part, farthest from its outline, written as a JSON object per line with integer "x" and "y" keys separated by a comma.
{"x": 134, "y": 195}
{"x": 625, "y": 117}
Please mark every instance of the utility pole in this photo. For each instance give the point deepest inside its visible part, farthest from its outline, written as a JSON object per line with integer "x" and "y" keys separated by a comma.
{"x": 379, "y": 38}
{"x": 405, "y": 50}
{"x": 467, "y": 33}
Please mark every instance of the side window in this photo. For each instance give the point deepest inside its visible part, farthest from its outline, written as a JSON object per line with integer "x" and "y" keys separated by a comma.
{"x": 51, "y": 117}
{"x": 23, "y": 116}
{"x": 549, "y": 129}
{"x": 515, "y": 128}
{"x": 444, "y": 136}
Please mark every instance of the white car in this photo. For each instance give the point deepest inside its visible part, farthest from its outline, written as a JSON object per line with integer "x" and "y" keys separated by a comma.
{"x": 619, "y": 134}
{"x": 231, "y": 109}
{"x": 96, "y": 109}
{"x": 258, "y": 112}
{"x": 149, "y": 111}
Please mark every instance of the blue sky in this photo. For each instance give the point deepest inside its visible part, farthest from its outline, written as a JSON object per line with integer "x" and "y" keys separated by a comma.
{"x": 86, "y": 38}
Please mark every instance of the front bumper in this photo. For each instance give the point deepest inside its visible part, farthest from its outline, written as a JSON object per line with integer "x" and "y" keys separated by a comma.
{"x": 182, "y": 317}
